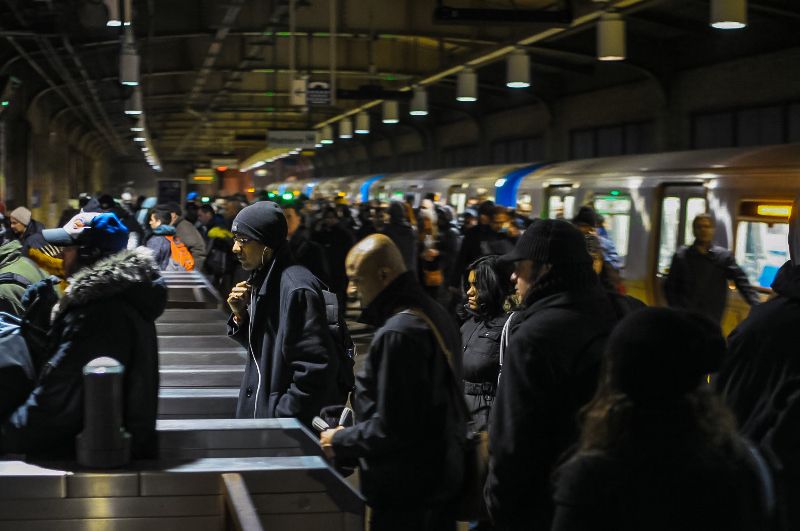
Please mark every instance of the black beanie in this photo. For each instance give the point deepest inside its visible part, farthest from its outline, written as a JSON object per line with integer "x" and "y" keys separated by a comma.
{"x": 550, "y": 241}
{"x": 660, "y": 354}
{"x": 263, "y": 221}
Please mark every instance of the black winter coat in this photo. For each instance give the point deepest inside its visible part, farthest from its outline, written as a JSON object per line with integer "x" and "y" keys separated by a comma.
{"x": 550, "y": 371}
{"x": 109, "y": 310}
{"x": 309, "y": 254}
{"x": 399, "y": 230}
{"x": 292, "y": 366}
{"x": 663, "y": 485}
{"x": 760, "y": 382}
{"x": 407, "y": 427}
{"x": 699, "y": 282}
{"x": 481, "y": 360}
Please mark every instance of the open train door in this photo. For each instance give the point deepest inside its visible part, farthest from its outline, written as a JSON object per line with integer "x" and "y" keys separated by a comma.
{"x": 560, "y": 202}
{"x": 680, "y": 203}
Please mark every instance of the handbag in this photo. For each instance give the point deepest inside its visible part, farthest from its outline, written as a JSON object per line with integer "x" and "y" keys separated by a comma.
{"x": 470, "y": 504}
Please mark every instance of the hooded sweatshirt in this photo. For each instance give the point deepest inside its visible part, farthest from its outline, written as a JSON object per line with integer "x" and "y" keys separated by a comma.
{"x": 159, "y": 244}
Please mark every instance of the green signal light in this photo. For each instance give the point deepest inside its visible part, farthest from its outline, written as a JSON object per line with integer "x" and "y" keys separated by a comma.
{"x": 269, "y": 93}
{"x": 389, "y": 77}
{"x": 270, "y": 109}
{"x": 270, "y": 195}
{"x": 614, "y": 192}
{"x": 288, "y": 196}
{"x": 4, "y": 103}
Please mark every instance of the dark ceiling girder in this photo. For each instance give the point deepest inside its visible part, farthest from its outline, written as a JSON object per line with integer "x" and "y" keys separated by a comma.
{"x": 443, "y": 14}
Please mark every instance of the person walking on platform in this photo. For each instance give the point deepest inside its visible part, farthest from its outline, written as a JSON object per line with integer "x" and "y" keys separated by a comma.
{"x": 488, "y": 291}
{"x": 279, "y": 316}
{"x": 699, "y": 274}
{"x": 160, "y": 219}
{"x": 336, "y": 241}
{"x": 188, "y": 234}
{"x": 658, "y": 450}
{"x": 760, "y": 379}
{"x": 114, "y": 297}
{"x": 549, "y": 372}
{"x": 306, "y": 252}
{"x": 476, "y": 243}
{"x": 408, "y": 424}
{"x": 401, "y": 231}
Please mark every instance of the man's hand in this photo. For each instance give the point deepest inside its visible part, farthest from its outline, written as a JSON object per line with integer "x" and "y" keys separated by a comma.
{"x": 237, "y": 300}
{"x": 326, "y": 441}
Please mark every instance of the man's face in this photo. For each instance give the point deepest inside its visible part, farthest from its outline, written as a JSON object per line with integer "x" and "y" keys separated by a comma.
{"x": 292, "y": 220}
{"x": 154, "y": 221}
{"x": 362, "y": 284}
{"x": 16, "y": 226}
{"x": 521, "y": 278}
{"x": 251, "y": 253}
{"x": 704, "y": 230}
{"x": 173, "y": 218}
{"x": 501, "y": 222}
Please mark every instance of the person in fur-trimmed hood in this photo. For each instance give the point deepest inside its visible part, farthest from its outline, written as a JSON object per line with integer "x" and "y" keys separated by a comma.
{"x": 109, "y": 309}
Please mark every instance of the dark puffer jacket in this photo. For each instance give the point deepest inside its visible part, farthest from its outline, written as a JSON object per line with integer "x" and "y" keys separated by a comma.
{"x": 760, "y": 382}
{"x": 109, "y": 310}
{"x": 550, "y": 371}
{"x": 481, "y": 349}
{"x": 292, "y": 367}
{"x": 406, "y": 423}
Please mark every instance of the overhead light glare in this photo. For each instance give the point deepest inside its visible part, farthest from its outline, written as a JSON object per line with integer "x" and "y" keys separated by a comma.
{"x": 139, "y": 139}
{"x": 467, "y": 85}
{"x": 327, "y": 135}
{"x": 113, "y": 13}
{"x": 518, "y": 69}
{"x": 611, "y": 37}
{"x": 728, "y": 14}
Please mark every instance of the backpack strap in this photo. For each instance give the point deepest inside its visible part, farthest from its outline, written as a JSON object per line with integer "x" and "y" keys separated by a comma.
{"x": 14, "y": 278}
{"x": 331, "y": 306}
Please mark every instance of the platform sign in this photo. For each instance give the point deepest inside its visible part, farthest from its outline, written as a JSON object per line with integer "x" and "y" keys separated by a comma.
{"x": 291, "y": 139}
{"x": 318, "y": 93}
{"x": 203, "y": 176}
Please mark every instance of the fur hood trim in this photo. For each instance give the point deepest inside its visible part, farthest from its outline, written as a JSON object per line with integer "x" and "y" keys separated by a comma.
{"x": 108, "y": 277}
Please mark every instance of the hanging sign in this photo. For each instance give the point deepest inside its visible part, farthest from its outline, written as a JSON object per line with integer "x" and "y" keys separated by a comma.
{"x": 298, "y": 94}
{"x": 319, "y": 93}
{"x": 291, "y": 139}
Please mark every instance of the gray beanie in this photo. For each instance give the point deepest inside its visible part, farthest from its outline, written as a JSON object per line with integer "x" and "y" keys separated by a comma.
{"x": 263, "y": 221}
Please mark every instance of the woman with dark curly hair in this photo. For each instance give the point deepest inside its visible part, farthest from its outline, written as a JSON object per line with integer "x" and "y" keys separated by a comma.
{"x": 658, "y": 450}
{"x": 487, "y": 291}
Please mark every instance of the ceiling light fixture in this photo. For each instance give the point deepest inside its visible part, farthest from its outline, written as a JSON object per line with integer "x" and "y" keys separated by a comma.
{"x": 113, "y": 13}
{"x": 346, "y": 128}
{"x": 362, "y": 123}
{"x": 138, "y": 127}
{"x": 518, "y": 69}
{"x": 419, "y": 103}
{"x": 611, "y": 37}
{"x": 327, "y": 135}
{"x": 127, "y": 13}
{"x": 728, "y": 14}
{"x": 133, "y": 105}
{"x": 128, "y": 61}
{"x": 390, "y": 112}
{"x": 467, "y": 85}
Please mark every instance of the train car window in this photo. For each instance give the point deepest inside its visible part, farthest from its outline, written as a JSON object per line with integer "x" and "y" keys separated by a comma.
{"x": 459, "y": 201}
{"x": 616, "y": 209}
{"x": 761, "y": 249}
{"x": 694, "y": 206}
{"x": 670, "y": 221}
{"x": 525, "y": 204}
{"x": 561, "y": 207}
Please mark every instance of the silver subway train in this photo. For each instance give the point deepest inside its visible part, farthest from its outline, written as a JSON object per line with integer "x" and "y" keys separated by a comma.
{"x": 648, "y": 202}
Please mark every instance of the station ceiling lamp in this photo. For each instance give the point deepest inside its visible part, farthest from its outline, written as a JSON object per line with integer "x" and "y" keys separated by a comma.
{"x": 346, "y": 128}
{"x": 128, "y": 61}
{"x": 327, "y": 135}
{"x": 113, "y": 13}
{"x": 467, "y": 85}
{"x": 362, "y": 123}
{"x": 391, "y": 114}
{"x": 611, "y": 37}
{"x": 518, "y": 69}
{"x": 728, "y": 14}
{"x": 317, "y": 140}
{"x": 419, "y": 103}
{"x": 133, "y": 105}
{"x": 138, "y": 127}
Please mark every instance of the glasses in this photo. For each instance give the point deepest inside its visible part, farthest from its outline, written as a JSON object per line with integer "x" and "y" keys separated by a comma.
{"x": 241, "y": 241}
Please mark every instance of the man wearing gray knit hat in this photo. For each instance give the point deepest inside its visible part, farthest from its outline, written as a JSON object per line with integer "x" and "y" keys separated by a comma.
{"x": 280, "y": 315}
{"x": 26, "y": 229}
{"x": 550, "y": 369}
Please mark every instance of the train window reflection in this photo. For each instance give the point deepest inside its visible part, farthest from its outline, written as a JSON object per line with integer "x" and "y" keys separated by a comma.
{"x": 668, "y": 241}
{"x": 616, "y": 211}
{"x": 694, "y": 206}
{"x": 761, "y": 249}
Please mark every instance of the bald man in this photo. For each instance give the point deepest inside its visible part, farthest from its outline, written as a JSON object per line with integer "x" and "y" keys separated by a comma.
{"x": 408, "y": 426}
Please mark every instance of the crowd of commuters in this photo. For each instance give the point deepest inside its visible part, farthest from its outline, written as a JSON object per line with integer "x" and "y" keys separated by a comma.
{"x": 600, "y": 413}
